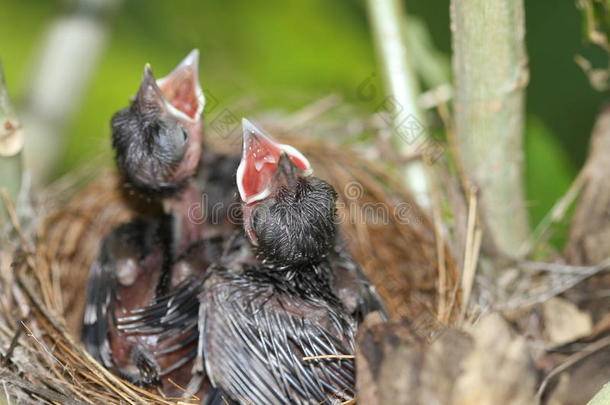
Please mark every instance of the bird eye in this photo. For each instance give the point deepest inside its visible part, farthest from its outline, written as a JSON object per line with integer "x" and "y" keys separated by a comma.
{"x": 185, "y": 134}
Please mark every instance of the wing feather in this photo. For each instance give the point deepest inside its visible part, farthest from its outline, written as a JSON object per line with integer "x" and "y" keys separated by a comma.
{"x": 254, "y": 349}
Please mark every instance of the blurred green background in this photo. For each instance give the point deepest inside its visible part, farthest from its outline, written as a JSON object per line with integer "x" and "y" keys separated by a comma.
{"x": 286, "y": 54}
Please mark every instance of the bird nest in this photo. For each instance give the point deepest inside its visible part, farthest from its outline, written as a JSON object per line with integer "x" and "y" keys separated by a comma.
{"x": 43, "y": 360}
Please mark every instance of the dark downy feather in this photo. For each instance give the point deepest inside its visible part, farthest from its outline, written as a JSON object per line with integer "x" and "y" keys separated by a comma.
{"x": 270, "y": 325}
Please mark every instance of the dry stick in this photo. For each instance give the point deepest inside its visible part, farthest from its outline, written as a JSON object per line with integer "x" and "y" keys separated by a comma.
{"x": 10, "y": 207}
{"x": 7, "y": 397}
{"x": 469, "y": 268}
{"x": 75, "y": 387}
{"x": 579, "y": 274}
{"x": 31, "y": 334}
{"x": 443, "y": 314}
{"x": 570, "y": 361}
{"x": 566, "y": 268}
{"x": 184, "y": 391}
{"x": 56, "y": 287}
{"x": 445, "y": 115}
{"x": 6, "y": 358}
{"x": 92, "y": 382}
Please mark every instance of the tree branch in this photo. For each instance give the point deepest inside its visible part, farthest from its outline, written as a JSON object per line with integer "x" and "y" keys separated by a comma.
{"x": 11, "y": 145}
{"x": 490, "y": 66}
{"x": 68, "y": 56}
{"x": 388, "y": 20}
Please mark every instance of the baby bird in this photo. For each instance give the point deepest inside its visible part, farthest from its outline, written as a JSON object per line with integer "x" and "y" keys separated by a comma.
{"x": 283, "y": 293}
{"x": 157, "y": 141}
{"x": 268, "y": 308}
{"x": 157, "y": 138}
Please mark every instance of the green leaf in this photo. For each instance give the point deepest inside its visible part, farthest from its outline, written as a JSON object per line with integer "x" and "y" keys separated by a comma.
{"x": 549, "y": 172}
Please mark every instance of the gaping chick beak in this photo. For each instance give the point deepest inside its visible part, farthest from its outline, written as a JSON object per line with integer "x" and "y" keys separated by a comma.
{"x": 182, "y": 90}
{"x": 259, "y": 163}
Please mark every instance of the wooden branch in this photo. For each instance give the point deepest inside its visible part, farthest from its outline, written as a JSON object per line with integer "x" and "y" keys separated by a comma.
{"x": 388, "y": 21}
{"x": 11, "y": 145}
{"x": 589, "y": 241}
{"x": 69, "y": 55}
{"x": 490, "y": 67}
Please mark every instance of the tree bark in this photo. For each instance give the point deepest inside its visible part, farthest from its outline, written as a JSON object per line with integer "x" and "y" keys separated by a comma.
{"x": 490, "y": 67}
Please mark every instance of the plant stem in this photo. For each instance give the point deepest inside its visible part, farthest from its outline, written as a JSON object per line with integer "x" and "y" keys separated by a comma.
{"x": 490, "y": 67}
{"x": 68, "y": 57}
{"x": 388, "y": 20}
{"x": 11, "y": 146}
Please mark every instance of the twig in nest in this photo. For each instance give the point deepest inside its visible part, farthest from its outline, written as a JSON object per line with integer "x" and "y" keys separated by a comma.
{"x": 471, "y": 255}
{"x": 570, "y": 361}
{"x": 193, "y": 396}
{"x": 444, "y": 311}
{"x": 10, "y": 208}
{"x": 559, "y": 278}
{"x": 310, "y": 112}
{"x": 6, "y": 395}
{"x": 329, "y": 356}
{"x": 561, "y": 268}
{"x": 6, "y": 358}
{"x": 40, "y": 343}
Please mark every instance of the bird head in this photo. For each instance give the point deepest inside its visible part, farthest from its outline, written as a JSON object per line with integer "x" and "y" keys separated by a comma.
{"x": 157, "y": 139}
{"x": 289, "y": 215}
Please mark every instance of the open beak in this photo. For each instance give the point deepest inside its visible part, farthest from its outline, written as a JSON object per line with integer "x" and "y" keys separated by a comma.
{"x": 182, "y": 90}
{"x": 259, "y": 163}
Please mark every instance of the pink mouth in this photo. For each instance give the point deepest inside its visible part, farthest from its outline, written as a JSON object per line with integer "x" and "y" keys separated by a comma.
{"x": 259, "y": 163}
{"x": 181, "y": 87}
